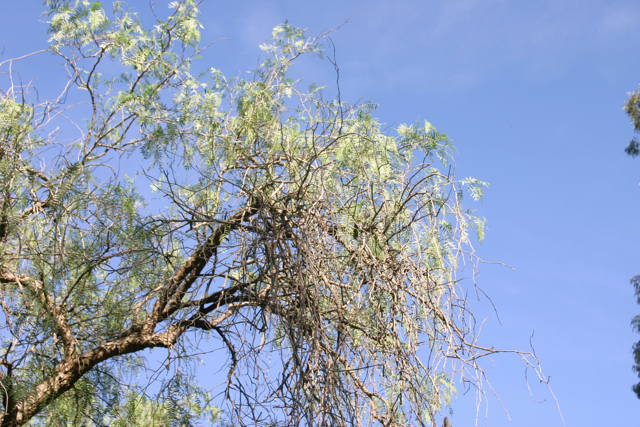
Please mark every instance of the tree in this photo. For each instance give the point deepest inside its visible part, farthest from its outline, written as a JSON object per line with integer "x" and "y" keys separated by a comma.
{"x": 635, "y": 323}
{"x": 318, "y": 251}
{"x": 632, "y": 108}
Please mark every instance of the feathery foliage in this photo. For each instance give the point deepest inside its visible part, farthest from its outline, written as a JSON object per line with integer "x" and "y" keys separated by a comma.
{"x": 317, "y": 250}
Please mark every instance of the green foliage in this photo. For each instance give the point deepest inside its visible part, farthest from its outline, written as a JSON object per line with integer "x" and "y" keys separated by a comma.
{"x": 94, "y": 403}
{"x": 283, "y": 219}
{"x": 632, "y": 108}
{"x": 635, "y": 323}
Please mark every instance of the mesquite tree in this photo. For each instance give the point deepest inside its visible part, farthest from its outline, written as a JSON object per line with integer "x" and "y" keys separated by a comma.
{"x": 319, "y": 252}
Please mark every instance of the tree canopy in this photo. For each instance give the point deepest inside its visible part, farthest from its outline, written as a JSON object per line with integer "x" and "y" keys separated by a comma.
{"x": 190, "y": 212}
{"x": 632, "y": 108}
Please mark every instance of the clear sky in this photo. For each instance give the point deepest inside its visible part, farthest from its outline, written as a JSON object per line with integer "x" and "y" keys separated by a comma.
{"x": 531, "y": 92}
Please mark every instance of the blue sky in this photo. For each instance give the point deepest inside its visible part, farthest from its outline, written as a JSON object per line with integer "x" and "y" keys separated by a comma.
{"x": 531, "y": 92}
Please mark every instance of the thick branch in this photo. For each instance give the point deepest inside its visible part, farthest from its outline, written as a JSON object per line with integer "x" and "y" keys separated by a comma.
{"x": 179, "y": 284}
{"x": 72, "y": 369}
